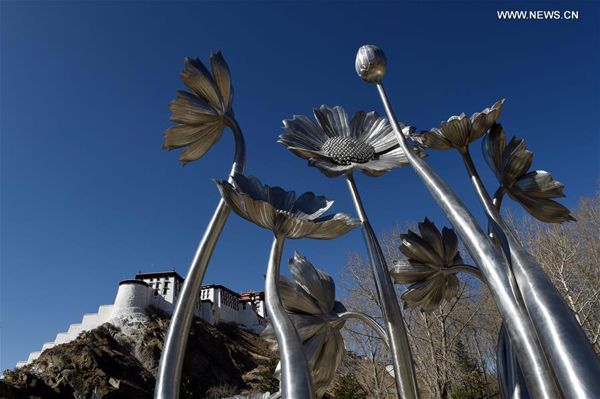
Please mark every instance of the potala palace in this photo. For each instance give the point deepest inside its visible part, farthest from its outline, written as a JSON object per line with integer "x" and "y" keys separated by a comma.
{"x": 216, "y": 304}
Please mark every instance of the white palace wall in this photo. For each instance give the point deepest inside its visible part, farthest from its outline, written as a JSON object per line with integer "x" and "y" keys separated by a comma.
{"x": 215, "y": 304}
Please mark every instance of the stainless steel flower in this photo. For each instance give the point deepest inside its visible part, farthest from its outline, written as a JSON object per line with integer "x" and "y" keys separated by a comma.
{"x": 310, "y": 302}
{"x": 278, "y": 210}
{"x": 201, "y": 113}
{"x": 459, "y": 131}
{"x": 428, "y": 266}
{"x": 337, "y": 145}
{"x": 532, "y": 190}
{"x": 370, "y": 63}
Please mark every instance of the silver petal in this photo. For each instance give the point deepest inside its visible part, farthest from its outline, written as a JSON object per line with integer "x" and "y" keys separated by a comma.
{"x": 452, "y": 287}
{"x": 232, "y": 198}
{"x": 260, "y": 212}
{"x": 295, "y": 298}
{"x": 318, "y": 284}
{"x": 329, "y": 168}
{"x": 329, "y": 360}
{"x": 334, "y": 226}
{"x": 181, "y": 135}
{"x": 376, "y": 168}
{"x": 482, "y": 121}
{"x": 197, "y": 149}
{"x": 450, "y": 245}
{"x": 222, "y": 78}
{"x": 190, "y": 110}
{"x": 200, "y": 81}
{"x": 457, "y": 130}
{"x": 303, "y": 152}
{"x": 309, "y": 206}
{"x": 435, "y": 140}
{"x": 292, "y": 227}
{"x": 373, "y": 126}
{"x": 434, "y": 298}
{"x": 356, "y": 124}
{"x": 334, "y": 121}
{"x": 543, "y": 209}
{"x": 312, "y": 349}
{"x": 308, "y": 325}
{"x": 539, "y": 183}
{"x": 417, "y": 293}
{"x": 281, "y": 199}
{"x": 301, "y": 126}
{"x": 416, "y": 248}
{"x": 432, "y": 235}
{"x": 251, "y": 186}
{"x": 494, "y": 145}
{"x": 406, "y": 271}
{"x": 516, "y": 161}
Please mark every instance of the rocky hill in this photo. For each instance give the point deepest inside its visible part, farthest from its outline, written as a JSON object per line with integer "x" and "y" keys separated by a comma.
{"x": 120, "y": 360}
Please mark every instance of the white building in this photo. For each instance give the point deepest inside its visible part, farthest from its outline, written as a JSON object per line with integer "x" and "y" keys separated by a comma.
{"x": 215, "y": 304}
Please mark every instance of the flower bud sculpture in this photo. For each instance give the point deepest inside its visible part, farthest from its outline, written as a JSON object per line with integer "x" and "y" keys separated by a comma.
{"x": 337, "y": 146}
{"x": 202, "y": 115}
{"x": 371, "y": 63}
{"x": 292, "y": 217}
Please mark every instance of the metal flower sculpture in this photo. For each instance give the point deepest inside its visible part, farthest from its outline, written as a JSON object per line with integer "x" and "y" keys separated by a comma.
{"x": 278, "y": 210}
{"x": 288, "y": 217}
{"x": 202, "y": 114}
{"x": 490, "y": 261}
{"x": 431, "y": 261}
{"x": 310, "y": 303}
{"x": 552, "y": 363}
{"x": 534, "y": 190}
{"x": 336, "y": 145}
{"x": 309, "y": 300}
{"x": 459, "y": 131}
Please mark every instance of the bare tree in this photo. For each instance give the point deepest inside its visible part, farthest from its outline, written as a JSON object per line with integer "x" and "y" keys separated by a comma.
{"x": 470, "y": 318}
{"x": 454, "y": 347}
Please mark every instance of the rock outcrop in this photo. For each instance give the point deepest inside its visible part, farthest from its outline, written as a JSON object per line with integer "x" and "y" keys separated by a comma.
{"x": 120, "y": 360}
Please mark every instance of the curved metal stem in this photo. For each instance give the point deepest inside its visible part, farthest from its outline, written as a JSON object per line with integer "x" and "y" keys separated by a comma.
{"x": 365, "y": 318}
{"x": 510, "y": 376}
{"x": 498, "y": 196}
{"x": 493, "y": 266}
{"x": 576, "y": 365}
{"x": 168, "y": 377}
{"x": 472, "y": 270}
{"x": 296, "y": 379}
{"x": 406, "y": 382}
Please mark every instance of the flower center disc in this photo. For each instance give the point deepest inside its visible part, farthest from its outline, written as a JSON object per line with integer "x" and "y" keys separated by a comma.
{"x": 345, "y": 150}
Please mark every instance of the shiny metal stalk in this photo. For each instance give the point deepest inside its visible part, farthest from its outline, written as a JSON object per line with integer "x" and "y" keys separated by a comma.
{"x": 170, "y": 366}
{"x": 494, "y": 267}
{"x": 572, "y": 357}
{"x": 406, "y": 381}
{"x": 296, "y": 379}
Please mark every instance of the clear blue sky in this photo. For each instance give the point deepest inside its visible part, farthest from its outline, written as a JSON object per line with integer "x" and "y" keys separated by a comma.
{"x": 89, "y": 198}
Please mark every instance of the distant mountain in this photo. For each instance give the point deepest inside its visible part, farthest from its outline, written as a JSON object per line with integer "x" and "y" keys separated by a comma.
{"x": 120, "y": 360}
